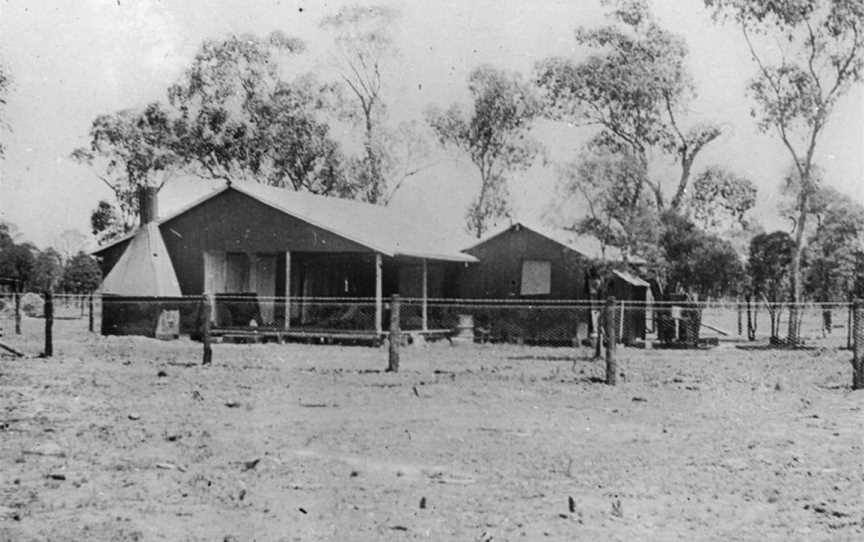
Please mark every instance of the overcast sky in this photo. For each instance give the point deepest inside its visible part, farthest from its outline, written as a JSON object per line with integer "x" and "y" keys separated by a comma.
{"x": 72, "y": 61}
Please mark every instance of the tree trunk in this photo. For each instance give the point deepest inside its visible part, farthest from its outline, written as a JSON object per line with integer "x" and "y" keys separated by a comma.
{"x": 793, "y": 335}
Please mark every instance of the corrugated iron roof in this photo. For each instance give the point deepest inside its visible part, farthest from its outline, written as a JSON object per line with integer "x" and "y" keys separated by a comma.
{"x": 588, "y": 246}
{"x": 144, "y": 268}
{"x": 381, "y": 229}
{"x": 631, "y": 279}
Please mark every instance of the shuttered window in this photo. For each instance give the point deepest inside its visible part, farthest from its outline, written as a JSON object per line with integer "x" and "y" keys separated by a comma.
{"x": 536, "y": 277}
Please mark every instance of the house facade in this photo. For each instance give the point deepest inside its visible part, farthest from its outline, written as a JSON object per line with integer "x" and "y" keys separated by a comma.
{"x": 296, "y": 254}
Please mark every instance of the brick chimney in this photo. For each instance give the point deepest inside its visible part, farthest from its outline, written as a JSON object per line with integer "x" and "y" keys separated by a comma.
{"x": 148, "y": 204}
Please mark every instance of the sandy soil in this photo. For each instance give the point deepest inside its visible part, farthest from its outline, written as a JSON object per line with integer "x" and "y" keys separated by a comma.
{"x": 469, "y": 443}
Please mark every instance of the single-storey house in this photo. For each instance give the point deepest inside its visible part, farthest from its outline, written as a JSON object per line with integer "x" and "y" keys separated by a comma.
{"x": 277, "y": 258}
{"x": 540, "y": 267}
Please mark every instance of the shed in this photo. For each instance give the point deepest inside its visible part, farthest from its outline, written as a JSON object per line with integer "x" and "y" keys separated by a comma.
{"x": 632, "y": 293}
{"x": 538, "y": 268}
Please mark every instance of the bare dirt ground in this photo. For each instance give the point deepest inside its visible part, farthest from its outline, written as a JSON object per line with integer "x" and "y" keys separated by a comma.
{"x": 130, "y": 439}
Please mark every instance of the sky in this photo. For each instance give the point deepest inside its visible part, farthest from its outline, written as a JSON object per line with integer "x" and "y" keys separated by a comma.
{"x": 72, "y": 61}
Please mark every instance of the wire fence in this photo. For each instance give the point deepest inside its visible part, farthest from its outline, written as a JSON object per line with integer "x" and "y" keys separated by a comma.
{"x": 535, "y": 321}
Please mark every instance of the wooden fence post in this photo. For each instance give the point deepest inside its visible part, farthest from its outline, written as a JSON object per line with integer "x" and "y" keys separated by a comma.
{"x": 858, "y": 346}
{"x": 740, "y": 319}
{"x": 611, "y": 363}
{"x": 90, "y": 307}
{"x": 395, "y": 335}
{"x": 17, "y": 312}
{"x": 48, "y": 311}
{"x": 205, "y": 329}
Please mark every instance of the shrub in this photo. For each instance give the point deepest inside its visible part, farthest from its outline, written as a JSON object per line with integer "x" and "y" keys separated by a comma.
{"x": 32, "y": 305}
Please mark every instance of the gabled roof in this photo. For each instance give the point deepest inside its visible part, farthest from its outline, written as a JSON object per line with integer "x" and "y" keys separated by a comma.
{"x": 631, "y": 279}
{"x": 144, "y": 268}
{"x": 588, "y": 246}
{"x": 380, "y": 229}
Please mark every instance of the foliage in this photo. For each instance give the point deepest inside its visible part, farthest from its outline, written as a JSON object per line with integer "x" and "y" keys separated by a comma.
{"x": 239, "y": 119}
{"x": 134, "y": 148}
{"x": 769, "y": 265}
{"x": 17, "y": 262}
{"x": 5, "y": 82}
{"x": 364, "y": 42}
{"x": 618, "y": 211}
{"x": 720, "y": 200}
{"x": 106, "y": 224}
{"x": 635, "y": 86}
{"x": 47, "y": 270}
{"x": 69, "y": 243}
{"x": 833, "y": 246}
{"x": 818, "y": 54}
{"x": 699, "y": 262}
{"x": 81, "y": 274}
{"x": 494, "y": 135}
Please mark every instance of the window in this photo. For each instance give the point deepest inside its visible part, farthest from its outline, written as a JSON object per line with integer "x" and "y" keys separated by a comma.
{"x": 536, "y": 277}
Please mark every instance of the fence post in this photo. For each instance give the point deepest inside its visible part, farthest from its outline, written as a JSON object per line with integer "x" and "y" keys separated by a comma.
{"x": 90, "y": 307}
{"x": 48, "y": 311}
{"x": 17, "y": 312}
{"x": 738, "y": 310}
{"x": 395, "y": 335}
{"x": 611, "y": 363}
{"x": 849, "y": 329}
{"x": 858, "y": 346}
{"x": 205, "y": 330}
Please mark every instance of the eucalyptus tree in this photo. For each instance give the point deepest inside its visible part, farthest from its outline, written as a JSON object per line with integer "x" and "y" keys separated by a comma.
{"x": 636, "y": 88}
{"x": 240, "y": 117}
{"x": 495, "y": 136}
{"x": 128, "y": 150}
{"x": 617, "y": 212}
{"x": 808, "y": 55}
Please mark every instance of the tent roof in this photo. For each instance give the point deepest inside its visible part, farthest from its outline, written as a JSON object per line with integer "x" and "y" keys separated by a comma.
{"x": 381, "y": 229}
{"x": 586, "y": 245}
{"x": 144, "y": 268}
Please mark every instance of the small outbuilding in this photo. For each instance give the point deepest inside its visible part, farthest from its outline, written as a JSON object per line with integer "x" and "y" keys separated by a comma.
{"x": 538, "y": 268}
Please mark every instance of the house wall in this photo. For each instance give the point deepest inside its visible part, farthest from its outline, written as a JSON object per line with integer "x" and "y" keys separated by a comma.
{"x": 235, "y": 222}
{"x": 498, "y": 274}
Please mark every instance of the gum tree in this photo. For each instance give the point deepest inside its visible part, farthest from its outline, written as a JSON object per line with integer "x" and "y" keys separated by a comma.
{"x": 635, "y": 87}
{"x": 808, "y": 55}
{"x": 494, "y": 135}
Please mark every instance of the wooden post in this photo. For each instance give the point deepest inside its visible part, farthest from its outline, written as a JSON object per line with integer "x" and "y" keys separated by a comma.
{"x": 611, "y": 363}
{"x": 740, "y": 319}
{"x": 858, "y": 346}
{"x": 596, "y": 325}
{"x": 48, "y": 311}
{"x": 379, "y": 292}
{"x": 287, "y": 290}
{"x": 205, "y": 329}
{"x": 620, "y": 335}
{"x": 17, "y": 312}
{"x": 849, "y": 328}
{"x": 395, "y": 335}
{"x": 425, "y": 308}
{"x": 90, "y": 307}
